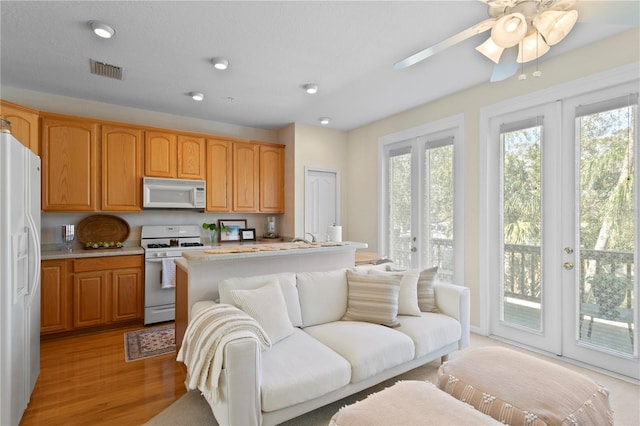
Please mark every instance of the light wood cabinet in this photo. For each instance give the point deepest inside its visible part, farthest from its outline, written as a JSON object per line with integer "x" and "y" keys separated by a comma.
{"x": 69, "y": 165}
{"x": 219, "y": 167}
{"x": 24, "y": 124}
{"x": 90, "y": 304}
{"x": 126, "y": 294}
{"x": 121, "y": 168}
{"x": 169, "y": 155}
{"x": 93, "y": 292}
{"x": 271, "y": 179}
{"x": 191, "y": 158}
{"x": 160, "y": 154}
{"x": 55, "y": 297}
{"x": 246, "y": 175}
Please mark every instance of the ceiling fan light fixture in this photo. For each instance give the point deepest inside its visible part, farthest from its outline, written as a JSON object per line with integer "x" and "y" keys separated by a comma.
{"x": 220, "y": 63}
{"x": 533, "y": 46}
{"x": 554, "y": 25}
{"x": 509, "y": 30}
{"x": 101, "y": 29}
{"x": 491, "y": 50}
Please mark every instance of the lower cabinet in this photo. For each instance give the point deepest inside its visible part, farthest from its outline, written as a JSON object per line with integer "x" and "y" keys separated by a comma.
{"x": 91, "y": 292}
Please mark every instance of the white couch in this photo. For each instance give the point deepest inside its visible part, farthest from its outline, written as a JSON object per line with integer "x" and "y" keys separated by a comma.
{"x": 322, "y": 357}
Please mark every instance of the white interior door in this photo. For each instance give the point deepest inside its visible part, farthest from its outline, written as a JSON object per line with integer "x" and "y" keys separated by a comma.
{"x": 322, "y": 202}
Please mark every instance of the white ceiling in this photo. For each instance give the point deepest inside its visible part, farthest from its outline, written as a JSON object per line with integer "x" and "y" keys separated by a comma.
{"x": 347, "y": 47}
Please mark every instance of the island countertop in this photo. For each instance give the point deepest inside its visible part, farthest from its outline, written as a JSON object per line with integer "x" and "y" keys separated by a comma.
{"x": 245, "y": 251}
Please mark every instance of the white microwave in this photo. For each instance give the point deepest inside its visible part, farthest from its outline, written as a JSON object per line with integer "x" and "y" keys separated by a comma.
{"x": 160, "y": 193}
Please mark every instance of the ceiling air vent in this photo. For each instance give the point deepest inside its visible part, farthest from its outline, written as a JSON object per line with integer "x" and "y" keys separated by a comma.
{"x": 106, "y": 70}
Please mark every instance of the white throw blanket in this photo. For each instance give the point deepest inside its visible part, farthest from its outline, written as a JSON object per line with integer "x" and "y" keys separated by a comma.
{"x": 204, "y": 341}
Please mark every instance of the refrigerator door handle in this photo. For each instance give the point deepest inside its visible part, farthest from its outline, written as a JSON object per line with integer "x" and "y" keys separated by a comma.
{"x": 35, "y": 243}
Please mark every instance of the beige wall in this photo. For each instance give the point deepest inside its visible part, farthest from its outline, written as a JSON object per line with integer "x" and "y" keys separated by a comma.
{"x": 322, "y": 148}
{"x": 363, "y": 142}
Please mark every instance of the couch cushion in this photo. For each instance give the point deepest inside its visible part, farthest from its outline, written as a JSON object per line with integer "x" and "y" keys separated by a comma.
{"x": 373, "y": 298}
{"x": 267, "y": 306}
{"x": 430, "y": 331}
{"x": 369, "y": 348}
{"x": 300, "y": 368}
{"x": 408, "y": 296}
{"x": 426, "y": 297}
{"x": 323, "y": 296}
{"x": 287, "y": 283}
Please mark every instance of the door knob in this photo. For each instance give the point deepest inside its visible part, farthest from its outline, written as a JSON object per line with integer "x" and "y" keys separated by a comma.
{"x": 567, "y": 265}
{"x": 414, "y": 249}
{"x": 568, "y": 250}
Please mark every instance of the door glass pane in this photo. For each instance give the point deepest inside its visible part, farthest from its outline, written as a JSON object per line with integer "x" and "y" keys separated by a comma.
{"x": 400, "y": 209}
{"x": 521, "y": 196}
{"x": 607, "y": 229}
{"x": 438, "y": 211}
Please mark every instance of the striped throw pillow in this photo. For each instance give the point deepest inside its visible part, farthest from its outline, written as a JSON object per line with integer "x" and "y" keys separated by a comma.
{"x": 426, "y": 296}
{"x": 373, "y": 298}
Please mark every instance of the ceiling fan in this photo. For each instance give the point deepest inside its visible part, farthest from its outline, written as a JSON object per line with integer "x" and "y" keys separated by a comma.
{"x": 521, "y": 31}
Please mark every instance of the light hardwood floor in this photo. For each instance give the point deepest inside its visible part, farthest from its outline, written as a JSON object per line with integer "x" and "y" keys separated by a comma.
{"x": 84, "y": 380}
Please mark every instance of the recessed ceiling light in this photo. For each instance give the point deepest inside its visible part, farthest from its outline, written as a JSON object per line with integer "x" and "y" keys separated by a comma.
{"x": 196, "y": 96}
{"x": 220, "y": 63}
{"x": 101, "y": 29}
{"x": 324, "y": 120}
{"x": 311, "y": 88}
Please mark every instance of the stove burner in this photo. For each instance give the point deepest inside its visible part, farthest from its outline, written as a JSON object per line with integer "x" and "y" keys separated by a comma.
{"x": 158, "y": 245}
{"x": 191, "y": 244}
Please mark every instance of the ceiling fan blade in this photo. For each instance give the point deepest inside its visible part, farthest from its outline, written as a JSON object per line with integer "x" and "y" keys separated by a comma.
{"x": 617, "y": 13}
{"x": 507, "y": 65}
{"x": 455, "y": 39}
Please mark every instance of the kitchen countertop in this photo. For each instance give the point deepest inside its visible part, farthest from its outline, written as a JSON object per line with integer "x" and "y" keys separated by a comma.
{"x": 223, "y": 252}
{"x": 56, "y": 252}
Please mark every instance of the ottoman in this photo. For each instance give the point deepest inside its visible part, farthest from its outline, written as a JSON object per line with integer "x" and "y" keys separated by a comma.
{"x": 410, "y": 403}
{"x": 518, "y": 389}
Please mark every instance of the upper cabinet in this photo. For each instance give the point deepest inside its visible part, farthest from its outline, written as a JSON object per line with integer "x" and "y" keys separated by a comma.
{"x": 160, "y": 154}
{"x": 272, "y": 178}
{"x": 69, "y": 164}
{"x": 191, "y": 158}
{"x": 121, "y": 168}
{"x": 24, "y": 124}
{"x": 258, "y": 177}
{"x": 169, "y": 155}
{"x": 219, "y": 168}
{"x": 246, "y": 175}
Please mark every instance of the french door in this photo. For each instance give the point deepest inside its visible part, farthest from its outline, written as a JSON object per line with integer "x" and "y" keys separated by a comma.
{"x": 421, "y": 189}
{"x": 565, "y": 228}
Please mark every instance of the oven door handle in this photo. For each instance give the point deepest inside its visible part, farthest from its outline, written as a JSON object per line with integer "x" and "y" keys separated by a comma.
{"x": 159, "y": 259}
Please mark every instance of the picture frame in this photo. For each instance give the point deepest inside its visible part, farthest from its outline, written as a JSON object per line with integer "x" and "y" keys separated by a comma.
{"x": 248, "y": 234}
{"x": 233, "y": 233}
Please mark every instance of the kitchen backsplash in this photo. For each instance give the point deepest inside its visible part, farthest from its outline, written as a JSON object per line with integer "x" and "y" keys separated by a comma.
{"x": 51, "y": 222}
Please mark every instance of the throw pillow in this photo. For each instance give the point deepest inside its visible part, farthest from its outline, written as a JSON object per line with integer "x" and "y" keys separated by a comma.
{"x": 426, "y": 296}
{"x": 266, "y": 305}
{"x": 372, "y": 298}
{"x": 408, "y": 296}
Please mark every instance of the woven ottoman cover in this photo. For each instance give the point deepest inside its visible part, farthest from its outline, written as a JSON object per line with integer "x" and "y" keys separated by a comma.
{"x": 518, "y": 389}
{"x": 410, "y": 403}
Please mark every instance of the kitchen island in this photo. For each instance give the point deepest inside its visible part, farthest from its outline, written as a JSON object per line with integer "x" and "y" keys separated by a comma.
{"x": 199, "y": 272}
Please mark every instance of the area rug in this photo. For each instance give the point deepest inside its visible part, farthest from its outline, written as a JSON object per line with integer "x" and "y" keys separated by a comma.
{"x": 149, "y": 342}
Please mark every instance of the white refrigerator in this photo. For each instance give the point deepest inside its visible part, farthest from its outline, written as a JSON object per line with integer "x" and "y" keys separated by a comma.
{"x": 19, "y": 277}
